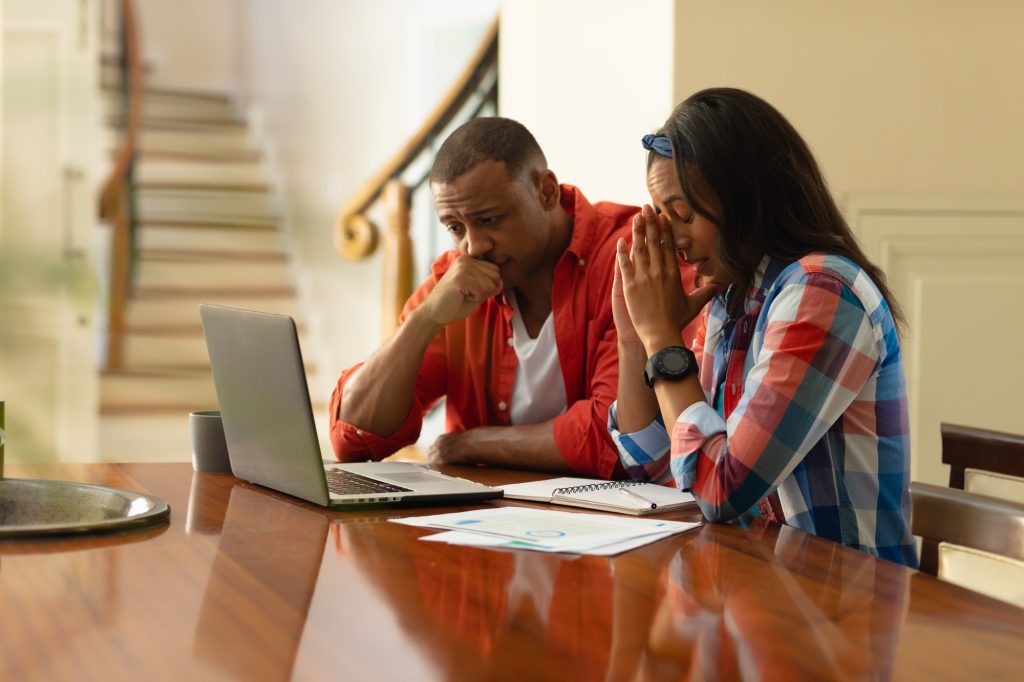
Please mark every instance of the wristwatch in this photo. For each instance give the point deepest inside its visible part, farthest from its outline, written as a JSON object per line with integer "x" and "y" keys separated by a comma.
{"x": 672, "y": 364}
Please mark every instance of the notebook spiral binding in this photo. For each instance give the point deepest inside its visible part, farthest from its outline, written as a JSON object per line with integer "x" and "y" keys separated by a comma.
{"x": 606, "y": 485}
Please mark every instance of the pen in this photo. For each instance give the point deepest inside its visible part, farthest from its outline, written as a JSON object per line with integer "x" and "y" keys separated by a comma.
{"x": 637, "y": 497}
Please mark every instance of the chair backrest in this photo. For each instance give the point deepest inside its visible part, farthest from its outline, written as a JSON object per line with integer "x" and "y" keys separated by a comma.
{"x": 967, "y": 447}
{"x": 946, "y": 515}
{"x": 1005, "y": 487}
{"x": 985, "y": 572}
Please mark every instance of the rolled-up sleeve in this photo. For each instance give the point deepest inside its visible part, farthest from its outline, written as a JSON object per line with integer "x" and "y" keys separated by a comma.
{"x": 353, "y": 444}
{"x": 644, "y": 454}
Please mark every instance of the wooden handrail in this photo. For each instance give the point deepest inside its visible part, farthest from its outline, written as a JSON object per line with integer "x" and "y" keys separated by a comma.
{"x": 116, "y": 195}
{"x": 129, "y": 139}
{"x": 355, "y": 235}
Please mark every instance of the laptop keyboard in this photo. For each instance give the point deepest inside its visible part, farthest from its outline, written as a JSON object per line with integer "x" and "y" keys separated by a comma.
{"x": 344, "y": 482}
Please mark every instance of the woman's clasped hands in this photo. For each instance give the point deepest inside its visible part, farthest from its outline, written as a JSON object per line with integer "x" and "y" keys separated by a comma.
{"x": 649, "y": 304}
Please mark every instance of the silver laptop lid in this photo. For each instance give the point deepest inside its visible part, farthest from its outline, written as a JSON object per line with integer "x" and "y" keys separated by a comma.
{"x": 264, "y": 400}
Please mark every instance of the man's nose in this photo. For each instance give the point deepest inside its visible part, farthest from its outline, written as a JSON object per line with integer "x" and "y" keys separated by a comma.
{"x": 476, "y": 244}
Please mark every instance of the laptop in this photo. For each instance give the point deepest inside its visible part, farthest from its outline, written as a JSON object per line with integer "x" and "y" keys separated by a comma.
{"x": 269, "y": 428}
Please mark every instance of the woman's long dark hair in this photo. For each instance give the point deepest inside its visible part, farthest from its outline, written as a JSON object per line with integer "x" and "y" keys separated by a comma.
{"x": 774, "y": 199}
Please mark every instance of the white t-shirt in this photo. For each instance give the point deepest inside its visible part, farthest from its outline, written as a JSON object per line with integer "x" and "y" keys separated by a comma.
{"x": 538, "y": 393}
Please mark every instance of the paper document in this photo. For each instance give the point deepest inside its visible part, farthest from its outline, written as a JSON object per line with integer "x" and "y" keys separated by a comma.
{"x": 549, "y": 531}
{"x": 455, "y": 537}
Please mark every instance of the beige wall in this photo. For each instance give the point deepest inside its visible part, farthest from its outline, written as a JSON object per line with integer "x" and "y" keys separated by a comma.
{"x": 908, "y": 96}
{"x": 915, "y": 110}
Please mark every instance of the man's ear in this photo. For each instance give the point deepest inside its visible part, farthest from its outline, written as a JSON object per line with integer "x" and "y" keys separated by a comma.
{"x": 548, "y": 189}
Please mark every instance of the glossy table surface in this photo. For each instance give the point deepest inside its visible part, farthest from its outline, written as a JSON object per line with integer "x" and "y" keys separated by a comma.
{"x": 248, "y": 584}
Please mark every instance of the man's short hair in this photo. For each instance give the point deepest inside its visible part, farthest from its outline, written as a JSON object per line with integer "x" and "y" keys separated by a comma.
{"x": 486, "y": 139}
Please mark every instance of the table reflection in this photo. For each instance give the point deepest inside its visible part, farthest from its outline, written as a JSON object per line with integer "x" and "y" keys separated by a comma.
{"x": 78, "y": 577}
{"x": 703, "y": 605}
{"x": 479, "y": 614}
{"x": 759, "y": 607}
{"x": 252, "y": 591}
{"x": 207, "y": 503}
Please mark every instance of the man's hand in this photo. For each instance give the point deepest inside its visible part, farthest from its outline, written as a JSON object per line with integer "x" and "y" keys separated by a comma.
{"x": 526, "y": 446}
{"x": 468, "y": 283}
{"x": 445, "y": 450}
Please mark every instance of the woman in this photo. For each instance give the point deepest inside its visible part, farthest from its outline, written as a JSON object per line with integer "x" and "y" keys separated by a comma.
{"x": 792, "y": 401}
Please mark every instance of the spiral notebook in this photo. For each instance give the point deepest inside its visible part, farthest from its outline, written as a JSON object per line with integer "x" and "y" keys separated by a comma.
{"x": 623, "y": 497}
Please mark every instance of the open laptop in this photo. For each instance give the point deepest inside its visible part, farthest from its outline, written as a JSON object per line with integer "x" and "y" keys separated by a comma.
{"x": 269, "y": 427}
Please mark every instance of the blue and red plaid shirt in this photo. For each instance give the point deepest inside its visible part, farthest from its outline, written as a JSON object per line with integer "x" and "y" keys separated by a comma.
{"x": 811, "y": 427}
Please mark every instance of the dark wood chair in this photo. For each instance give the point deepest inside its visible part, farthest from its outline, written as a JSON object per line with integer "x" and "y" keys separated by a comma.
{"x": 965, "y": 519}
{"x": 966, "y": 447}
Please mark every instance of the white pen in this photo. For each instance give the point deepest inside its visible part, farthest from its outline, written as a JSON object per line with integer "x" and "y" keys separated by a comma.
{"x": 637, "y": 497}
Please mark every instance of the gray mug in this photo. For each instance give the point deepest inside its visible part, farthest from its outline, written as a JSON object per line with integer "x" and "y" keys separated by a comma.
{"x": 209, "y": 448}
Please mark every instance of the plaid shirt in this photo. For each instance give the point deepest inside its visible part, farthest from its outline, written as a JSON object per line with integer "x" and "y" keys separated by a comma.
{"x": 812, "y": 427}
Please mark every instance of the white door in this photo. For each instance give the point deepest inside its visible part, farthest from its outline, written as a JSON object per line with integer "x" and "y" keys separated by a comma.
{"x": 49, "y": 136}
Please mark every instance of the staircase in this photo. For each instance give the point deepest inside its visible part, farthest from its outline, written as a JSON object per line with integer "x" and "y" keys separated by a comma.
{"x": 208, "y": 232}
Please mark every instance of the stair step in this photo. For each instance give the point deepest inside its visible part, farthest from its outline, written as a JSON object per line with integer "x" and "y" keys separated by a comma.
{"x": 212, "y": 295}
{"x": 184, "y": 309}
{"x": 229, "y": 141}
{"x": 123, "y": 392}
{"x": 174, "y": 352}
{"x": 196, "y": 173}
{"x": 153, "y": 273}
{"x": 149, "y": 391}
{"x": 176, "y": 205}
{"x": 214, "y": 110}
{"x": 186, "y": 353}
{"x": 208, "y": 239}
{"x": 226, "y": 145}
{"x": 211, "y": 127}
{"x": 158, "y": 437}
{"x": 163, "y": 436}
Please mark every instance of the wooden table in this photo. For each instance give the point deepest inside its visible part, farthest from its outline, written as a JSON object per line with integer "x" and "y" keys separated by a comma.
{"x": 247, "y": 584}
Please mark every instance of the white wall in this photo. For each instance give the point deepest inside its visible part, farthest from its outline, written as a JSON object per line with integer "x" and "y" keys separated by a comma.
{"x": 191, "y": 44}
{"x": 589, "y": 78}
{"x": 340, "y": 87}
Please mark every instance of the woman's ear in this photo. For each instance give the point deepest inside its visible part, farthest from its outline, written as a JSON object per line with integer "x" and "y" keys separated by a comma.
{"x": 549, "y": 191}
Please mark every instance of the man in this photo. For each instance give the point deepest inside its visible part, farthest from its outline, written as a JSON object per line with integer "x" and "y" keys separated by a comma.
{"x": 514, "y": 327}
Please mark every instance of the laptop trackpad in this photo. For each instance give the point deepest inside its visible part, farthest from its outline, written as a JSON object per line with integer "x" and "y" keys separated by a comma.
{"x": 412, "y": 477}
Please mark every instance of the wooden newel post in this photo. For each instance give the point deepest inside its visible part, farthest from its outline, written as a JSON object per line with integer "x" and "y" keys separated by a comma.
{"x": 397, "y": 266}
{"x": 120, "y": 266}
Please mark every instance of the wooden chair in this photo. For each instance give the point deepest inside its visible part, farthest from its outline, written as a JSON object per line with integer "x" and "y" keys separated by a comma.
{"x": 984, "y": 462}
{"x": 972, "y": 540}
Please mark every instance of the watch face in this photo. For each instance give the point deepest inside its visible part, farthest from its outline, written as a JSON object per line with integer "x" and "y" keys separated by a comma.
{"x": 674, "y": 363}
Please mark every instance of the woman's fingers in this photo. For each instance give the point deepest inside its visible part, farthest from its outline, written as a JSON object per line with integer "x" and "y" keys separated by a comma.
{"x": 623, "y": 266}
{"x": 668, "y": 245}
{"x": 638, "y": 251}
{"x": 652, "y": 233}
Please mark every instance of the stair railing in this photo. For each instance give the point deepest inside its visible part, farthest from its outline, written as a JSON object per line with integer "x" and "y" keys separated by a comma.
{"x": 357, "y": 236}
{"x": 117, "y": 196}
